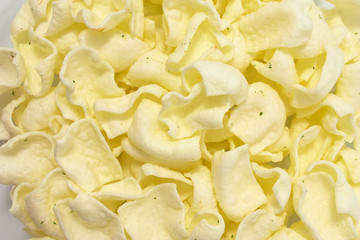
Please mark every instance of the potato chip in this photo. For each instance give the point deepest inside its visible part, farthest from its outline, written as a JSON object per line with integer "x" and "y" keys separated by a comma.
{"x": 100, "y": 16}
{"x": 93, "y": 169}
{"x": 347, "y": 87}
{"x": 201, "y": 42}
{"x": 345, "y": 199}
{"x": 263, "y": 107}
{"x": 60, "y": 17}
{"x": 126, "y": 189}
{"x": 12, "y": 72}
{"x": 277, "y": 24}
{"x": 40, "y": 59}
{"x": 33, "y": 151}
{"x": 39, "y": 111}
{"x": 278, "y": 193}
{"x": 235, "y": 185}
{"x": 314, "y": 202}
{"x": 18, "y": 207}
{"x": 40, "y": 202}
{"x": 9, "y": 119}
{"x": 206, "y": 225}
{"x": 115, "y": 115}
{"x": 149, "y": 135}
{"x": 117, "y": 48}
{"x": 178, "y": 16}
{"x": 160, "y": 215}
{"x": 259, "y": 219}
{"x": 212, "y": 96}
{"x": 151, "y": 69}
{"x": 286, "y": 234}
{"x": 204, "y": 195}
{"x": 88, "y": 78}
{"x": 85, "y": 217}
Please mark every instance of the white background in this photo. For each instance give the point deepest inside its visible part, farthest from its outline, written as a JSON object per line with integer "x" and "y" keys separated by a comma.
{"x": 10, "y": 227}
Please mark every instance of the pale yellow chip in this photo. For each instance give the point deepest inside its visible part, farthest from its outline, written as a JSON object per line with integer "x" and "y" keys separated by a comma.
{"x": 160, "y": 215}
{"x": 85, "y": 156}
{"x": 40, "y": 202}
{"x": 154, "y": 174}
{"x": 206, "y": 225}
{"x": 33, "y": 151}
{"x": 98, "y": 17}
{"x": 12, "y": 72}
{"x": 277, "y": 24}
{"x": 178, "y": 15}
{"x": 149, "y": 135}
{"x": 201, "y": 42}
{"x": 18, "y": 207}
{"x": 236, "y": 188}
{"x": 278, "y": 193}
{"x": 40, "y": 57}
{"x": 87, "y": 78}
{"x": 86, "y": 218}
{"x": 314, "y": 202}
{"x": 260, "y": 120}
{"x": 115, "y": 115}
{"x": 39, "y": 112}
{"x": 117, "y": 48}
{"x": 204, "y": 195}
{"x": 150, "y": 68}
{"x": 259, "y": 219}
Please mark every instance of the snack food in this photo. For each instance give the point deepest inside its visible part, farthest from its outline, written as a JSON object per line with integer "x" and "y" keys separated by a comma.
{"x": 183, "y": 119}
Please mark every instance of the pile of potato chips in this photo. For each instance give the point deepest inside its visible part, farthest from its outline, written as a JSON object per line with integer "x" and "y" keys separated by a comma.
{"x": 183, "y": 119}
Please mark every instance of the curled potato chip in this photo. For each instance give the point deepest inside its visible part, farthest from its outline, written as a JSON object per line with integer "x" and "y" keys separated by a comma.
{"x": 347, "y": 87}
{"x": 178, "y": 16}
{"x": 204, "y": 195}
{"x": 40, "y": 59}
{"x": 60, "y": 17}
{"x": 151, "y": 69}
{"x": 154, "y": 174}
{"x": 23, "y": 20}
{"x": 160, "y": 215}
{"x": 314, "y": 202}
{"x": 201, "y": 42}
{"x": 86, "y": 217}
{"x": 206, "y": 225}
{"x": 311, "y": 145}
{"x": 40, "y": 202}
{"x": 115, "y": 115}
{"x": 9, "y": 119}
{"x": 33, "y": 151}
{"x": 330, "y": 72}
{"x": 39, "y": 111}
{"x": 259, "y": 219}
{"x": 148, "y": 134}
{"x": 260, "y": 120}
{"x": 68, "y": 110}
{"x": 286, "y": 234}
{"x": 277, "y": 24}
{"x": 235, "y": 185}
{"x": 98, "y": 17}
{"x": 12, "y": 72}
{"x": 208, "y": 101}
{"x": 280, "y": 191}
{"x": 337, "y": 116}
{"x": 18, "y": 207}
{"x": 118, "y": 49}
{"x": 85, "y": 156}
{"x": 320, "y": 36}
{"x": 345, "y": 198}
{"x": 126, "y": 189}
{"x": 88, "y": 78}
